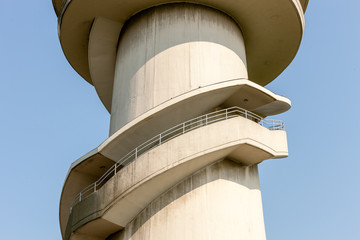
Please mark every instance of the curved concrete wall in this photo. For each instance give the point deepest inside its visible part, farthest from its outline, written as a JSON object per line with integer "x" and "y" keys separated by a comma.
{"x": 230, "y": 190}
{"x": 126, "y": 194}
{"x": 169, "y": 50}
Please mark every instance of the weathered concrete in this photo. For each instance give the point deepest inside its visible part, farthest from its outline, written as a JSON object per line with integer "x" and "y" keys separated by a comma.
{"x": 137, "y": 184}
{"x": 170, "y": 50}
{"x": 103, "y": 41}
{"x": 58, "y": 4}
{"x": 189, "y": 105}
{"x": 91, "y": 166}
{"x": 155, "y": 64}
{"x": 82, "y": 173}
{"x": 272, "y": 29}
{"x": 221, "y": 201}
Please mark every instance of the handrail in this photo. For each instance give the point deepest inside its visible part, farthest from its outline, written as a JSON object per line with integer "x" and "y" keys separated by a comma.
{"x": 171, "y": 133}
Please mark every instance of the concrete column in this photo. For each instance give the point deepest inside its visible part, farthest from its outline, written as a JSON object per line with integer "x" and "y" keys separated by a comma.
{"x": 221, "y": 201}
{"x": 169, "y": 50}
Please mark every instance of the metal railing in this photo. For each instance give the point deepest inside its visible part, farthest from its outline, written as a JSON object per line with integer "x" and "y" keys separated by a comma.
{"x": 172, "y": 133}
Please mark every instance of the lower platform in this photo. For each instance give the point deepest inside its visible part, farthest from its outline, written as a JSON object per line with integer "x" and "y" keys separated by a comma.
{"x": 115, "y": 205}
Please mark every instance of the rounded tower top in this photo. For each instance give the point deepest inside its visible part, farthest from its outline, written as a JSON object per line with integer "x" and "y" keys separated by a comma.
{"x": 272, "y": 30}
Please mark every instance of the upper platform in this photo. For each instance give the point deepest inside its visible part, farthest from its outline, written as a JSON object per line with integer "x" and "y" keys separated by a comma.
{"x": 272, "y": 30}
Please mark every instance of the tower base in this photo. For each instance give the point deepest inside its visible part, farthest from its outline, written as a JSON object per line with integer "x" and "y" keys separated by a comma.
{"x": 221, "y": 201}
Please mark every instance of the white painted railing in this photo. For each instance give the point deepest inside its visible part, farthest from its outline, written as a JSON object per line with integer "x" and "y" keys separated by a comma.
{"x": 172, "y": 133}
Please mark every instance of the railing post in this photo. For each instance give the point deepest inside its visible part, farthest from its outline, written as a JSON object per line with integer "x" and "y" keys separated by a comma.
{"x": 226, "y": 113}
{"x": 206, "y": 119}
{"x": 135, "y": 153}
{"x": 115, "y": 169}
{"x": 95, "y": 187}
{"x": 160, "y": 139}
{"x": 80, "y": 197}
{"x": 246, "y": 114}
{"x": 183, "y": 128}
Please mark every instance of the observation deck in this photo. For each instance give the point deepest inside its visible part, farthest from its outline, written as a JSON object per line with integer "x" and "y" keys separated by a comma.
{"x": 89, "y": 31}
{"x": 157, "y": 164}
{"x": 89, "y": 168}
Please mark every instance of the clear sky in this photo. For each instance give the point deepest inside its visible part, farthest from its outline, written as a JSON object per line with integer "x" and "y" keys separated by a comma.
{"x": 50, "y": 117}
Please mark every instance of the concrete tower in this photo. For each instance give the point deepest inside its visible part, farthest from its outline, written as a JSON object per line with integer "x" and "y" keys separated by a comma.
{"x": 183, "y": 82}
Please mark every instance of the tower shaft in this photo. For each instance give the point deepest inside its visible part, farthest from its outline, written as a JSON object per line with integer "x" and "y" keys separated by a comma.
{"x": 171, "y": 50}
{"x": 221, "y": 201}
{"x": 184, "y": 84}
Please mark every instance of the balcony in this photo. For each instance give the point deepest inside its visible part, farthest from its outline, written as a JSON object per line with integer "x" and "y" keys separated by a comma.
{"x": 157, "y": 164}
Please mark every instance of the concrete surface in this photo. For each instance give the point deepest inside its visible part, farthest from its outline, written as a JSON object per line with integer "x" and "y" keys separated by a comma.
{"x": 137, "y": 184}
{"x": 103, "y": 42}
{"x": 221, "y": 201}
{"x": 187, "y": 106}
{"x": 58, "y": 5}
{"x": 91, "y": 166}
{"x": 82, "y": 173}
{"x": 155, "y": 64}
{"x": 272, "y": 30}
{"x": 170, "y": 50}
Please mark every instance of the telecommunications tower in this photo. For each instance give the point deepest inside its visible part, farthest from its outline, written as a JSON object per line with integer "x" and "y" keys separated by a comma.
{"x": 184, "y": 84}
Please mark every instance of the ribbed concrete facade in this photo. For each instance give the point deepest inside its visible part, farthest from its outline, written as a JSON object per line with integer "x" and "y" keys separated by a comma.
{"x": 184, "y": 84}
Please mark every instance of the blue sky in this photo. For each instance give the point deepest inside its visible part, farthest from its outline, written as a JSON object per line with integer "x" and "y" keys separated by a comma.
{"x": 50, "y": 117}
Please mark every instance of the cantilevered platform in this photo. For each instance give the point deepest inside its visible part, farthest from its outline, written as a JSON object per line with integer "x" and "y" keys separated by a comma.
{"x": 272, "y": 31}
{"x": 122, "y": 197}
